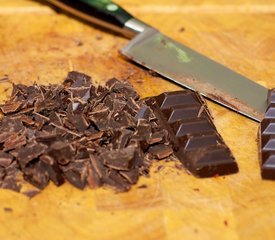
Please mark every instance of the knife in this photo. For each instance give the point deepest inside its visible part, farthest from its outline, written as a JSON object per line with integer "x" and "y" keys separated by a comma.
{"x": 174, "y": 61}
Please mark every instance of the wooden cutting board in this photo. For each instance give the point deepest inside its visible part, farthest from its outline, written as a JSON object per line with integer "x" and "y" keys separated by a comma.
{"x": 38, "y": 45}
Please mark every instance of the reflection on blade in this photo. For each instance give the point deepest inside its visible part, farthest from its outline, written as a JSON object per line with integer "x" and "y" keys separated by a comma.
{"x": 190, "y": 69}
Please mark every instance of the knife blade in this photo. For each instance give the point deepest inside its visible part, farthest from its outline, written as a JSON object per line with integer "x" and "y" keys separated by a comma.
{"x": 174, "y": 61}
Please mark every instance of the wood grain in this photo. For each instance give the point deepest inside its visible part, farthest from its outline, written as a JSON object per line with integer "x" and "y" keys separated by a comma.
{"x": 38, "y": 45}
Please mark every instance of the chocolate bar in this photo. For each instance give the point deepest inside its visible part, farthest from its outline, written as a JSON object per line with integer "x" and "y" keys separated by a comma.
{"x": 194, "y": 137}
{"x": 267, "y": 139}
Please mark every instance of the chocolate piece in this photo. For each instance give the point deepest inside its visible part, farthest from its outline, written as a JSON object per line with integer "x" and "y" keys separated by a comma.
{"x": 77, "y": 79}
{"x": 11, "y": 107}
{"x": 2, "y": 174}
{"x": 14, "y": 141}
{"x": 120, "y": 159}
{"x": 8, "y": 209}
{"x": 115, "y": 181}
{"x": 36, "y": 175}
{"x": 161, "y": 151}
{"x": 30, "y": 152}
{"x": 122, "y": 87}
{"x": 52, "y": 169}
{"x": 31, "y": 193}
{"x": 62, "y": 152}
{"x": 267, "y": 139}
{"x": 158, "y": 137}
{"x": 143, "y": 113}
{"x": 131, "y": 176}
{"x": 93, "y": 178}
{"x": 76, "y": 173}
{"x": 5, "y": 159}
{"x": 97, "y": 166}
{"x": 121, "y": 138}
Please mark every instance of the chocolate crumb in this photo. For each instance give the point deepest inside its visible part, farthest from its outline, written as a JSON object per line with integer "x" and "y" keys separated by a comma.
{"x": 98, "y": 37}
{"x": 8, "y": 209}
{"x": 159, "y": 168}
{"x": 31, "y": 193}
{"x": 142, "y": 186}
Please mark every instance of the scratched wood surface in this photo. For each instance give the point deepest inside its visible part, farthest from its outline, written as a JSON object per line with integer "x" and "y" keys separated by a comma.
{"x": 39, "y": 45}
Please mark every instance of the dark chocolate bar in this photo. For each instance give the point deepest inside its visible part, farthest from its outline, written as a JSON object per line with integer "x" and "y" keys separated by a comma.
{"x": 195, "y": 139}
{"x": 267, "y": 139}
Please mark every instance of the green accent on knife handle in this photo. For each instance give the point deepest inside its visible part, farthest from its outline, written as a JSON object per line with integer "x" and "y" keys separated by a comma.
{"x": 107, "y": 11}
{"x": 100, "y": 12}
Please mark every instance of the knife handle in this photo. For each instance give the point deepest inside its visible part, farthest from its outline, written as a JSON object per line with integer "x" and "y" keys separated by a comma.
{"x": 104, "y": 13}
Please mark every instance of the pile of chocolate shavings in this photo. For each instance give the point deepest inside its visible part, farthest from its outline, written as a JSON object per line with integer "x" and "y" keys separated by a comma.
{"x": 86, "y": 135}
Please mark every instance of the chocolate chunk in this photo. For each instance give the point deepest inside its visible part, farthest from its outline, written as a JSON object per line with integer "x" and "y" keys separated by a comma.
{"x": 76, "y": 174}
{"x": 62, "y": 152}
{"x": 79, "y": 121}
{"x": 36, "y": 175}
{"x": 97, "y": 165}
{"x": 120, "y": 159}
{"x": 31, "y": 193}
{"x": 267, "y": 139}
{"x": 8, "y": 209}
{"x": 93, "y": 178}
{"x": 77, "y": 79}
{"x": 160, "y": 151}
{"x": 122, "y": 87}
{"x": 52, "y": 169}
{"x": 55, "y": 118}
{"x": 100, "y": 119}
{"x": 121, "y": 138}
{"x": 26, "y": 120}
{"x": 5, "y": 159}
{"x": 30, "y": 152}
{"x": 158, "y": 137}
{"x": 14, "y": 141}
{"x": 2, "y": 174}
{"x": 131, "y": 176}
{"x": 115, "y": 181}
{"x": 120, "y": 120}
{"x": 10, "y": 125}
{"x": 4, "y": 136}
{"x": 143, "y": 113}
{"x": 11, "y": 107}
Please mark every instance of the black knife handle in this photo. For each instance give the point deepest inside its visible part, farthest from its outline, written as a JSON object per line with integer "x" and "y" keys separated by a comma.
{"x": 104, "y": 13}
